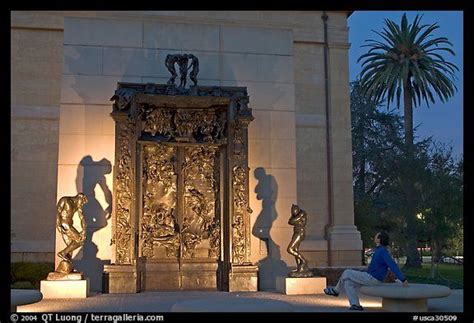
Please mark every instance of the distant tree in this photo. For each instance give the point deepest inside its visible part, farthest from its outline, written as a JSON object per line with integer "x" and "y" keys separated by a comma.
{"x": 408, "y": 60}
{"x": 377, "y": 140}
{"x": 442, "y": 194}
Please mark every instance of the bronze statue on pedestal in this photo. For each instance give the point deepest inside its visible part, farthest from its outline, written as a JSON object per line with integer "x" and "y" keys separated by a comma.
{"x": 66, "y": 208}
{"x": 298, "y": 221}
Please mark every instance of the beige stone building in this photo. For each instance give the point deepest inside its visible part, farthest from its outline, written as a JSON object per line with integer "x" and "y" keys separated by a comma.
{"x": 65, "y": 67}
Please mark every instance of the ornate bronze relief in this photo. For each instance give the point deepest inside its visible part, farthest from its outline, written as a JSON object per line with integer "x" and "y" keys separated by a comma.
{"x": 159, "y": 224}
{"x": 124, "y": 192}
{"x": 201, "y": 221}
{"x": 240, "y": 209}
{"x": 191, "y": 140}
{"x": 184, "y": 125}
{"x": 158, "y": 121}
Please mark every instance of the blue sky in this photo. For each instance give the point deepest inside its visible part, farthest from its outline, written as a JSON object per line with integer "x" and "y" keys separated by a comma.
{"x": 443, "y": 121}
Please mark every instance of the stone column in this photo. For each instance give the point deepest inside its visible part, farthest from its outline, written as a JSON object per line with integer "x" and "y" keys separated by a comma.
{"x": 36, "y": 75}
{"x": 345, "y": 242}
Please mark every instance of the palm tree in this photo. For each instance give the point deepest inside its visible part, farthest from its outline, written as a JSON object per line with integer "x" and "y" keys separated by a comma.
{"x": 408, "y": 60}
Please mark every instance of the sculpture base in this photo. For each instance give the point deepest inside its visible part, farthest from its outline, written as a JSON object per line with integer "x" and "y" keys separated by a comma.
{"x": 121, "y": 279}
{"x": 243, "y": 278}
{"x": 300, "y": 286}
{"x": 65, "y": 288}
{"x": 65, "y": 267}
{"x": 300, "y": 274}
{"x": 62, "y": 276}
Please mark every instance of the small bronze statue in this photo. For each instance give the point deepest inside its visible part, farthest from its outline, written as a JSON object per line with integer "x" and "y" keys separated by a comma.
{"x": 298, "y": 221}
{"x": 183, "y": 70}
{"x": 66, "y": 208}
{"x": 170, "y": 61}
{"x": 195, "y": 70}
{"x": 182, "y": 60}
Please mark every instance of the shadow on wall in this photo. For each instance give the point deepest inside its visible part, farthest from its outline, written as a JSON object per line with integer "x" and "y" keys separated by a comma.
{"x": 271, "y": 266}
{"x": 90, "y": 80}
{"x": 90, "y": 174}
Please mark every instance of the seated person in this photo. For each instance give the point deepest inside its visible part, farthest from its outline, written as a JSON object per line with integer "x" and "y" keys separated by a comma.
{"x": 351, "y": 280}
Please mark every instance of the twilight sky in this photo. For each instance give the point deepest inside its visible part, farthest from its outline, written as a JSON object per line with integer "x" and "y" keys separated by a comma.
{"x": 443, "y": 121}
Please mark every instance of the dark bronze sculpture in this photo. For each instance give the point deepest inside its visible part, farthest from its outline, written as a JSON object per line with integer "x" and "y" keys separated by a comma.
{"x": 170, "y": 61}
{"x": 183, "y": 69}
{"x": 66, "y": 208}
{"x": 298, "y": 221}
{"x": 195, "y": 70}
{"x": 182, "y": 60}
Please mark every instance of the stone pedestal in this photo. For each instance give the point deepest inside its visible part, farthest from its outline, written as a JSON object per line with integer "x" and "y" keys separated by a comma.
{"x": 65, "y": 288}
{"x": 121, "y": 279}
{"x": 243, "y": 279}
{"x": 300, "y": 286}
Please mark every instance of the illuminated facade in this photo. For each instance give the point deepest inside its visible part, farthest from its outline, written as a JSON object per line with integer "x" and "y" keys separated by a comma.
{"x": 294, "y": 65}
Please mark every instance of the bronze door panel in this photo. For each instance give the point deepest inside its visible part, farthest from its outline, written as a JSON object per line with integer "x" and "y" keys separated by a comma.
{"x": 180, "y": 216}
{"x": 201, "y": 223}
{"x": 159, "y": 234}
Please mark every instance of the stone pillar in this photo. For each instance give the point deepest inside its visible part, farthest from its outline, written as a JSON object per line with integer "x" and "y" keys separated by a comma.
{"x": 345, "y": 242}
{"x": 36, "y": 75}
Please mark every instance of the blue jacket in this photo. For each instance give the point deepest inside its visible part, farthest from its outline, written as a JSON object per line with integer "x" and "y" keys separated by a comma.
{"x": 381, "y": 261}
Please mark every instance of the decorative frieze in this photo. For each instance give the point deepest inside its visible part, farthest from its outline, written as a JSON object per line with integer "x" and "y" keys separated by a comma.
{"x": 123, "y": 192}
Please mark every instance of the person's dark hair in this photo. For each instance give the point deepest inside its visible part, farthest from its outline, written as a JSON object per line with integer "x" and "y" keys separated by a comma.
{"x": 383, "y": 236}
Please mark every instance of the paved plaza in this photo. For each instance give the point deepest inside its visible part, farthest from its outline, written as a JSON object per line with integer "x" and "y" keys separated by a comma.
{"x": 196, "y": 301}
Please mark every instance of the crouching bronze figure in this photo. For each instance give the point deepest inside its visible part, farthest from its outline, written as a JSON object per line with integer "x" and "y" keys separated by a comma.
{"x": 66, "y": 208}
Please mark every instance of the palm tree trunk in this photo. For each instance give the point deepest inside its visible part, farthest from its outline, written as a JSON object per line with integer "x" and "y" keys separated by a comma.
{"x": 413, "y": 257}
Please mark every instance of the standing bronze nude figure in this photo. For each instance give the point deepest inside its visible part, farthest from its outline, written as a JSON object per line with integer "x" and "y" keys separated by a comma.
{"x": 298, "y": 221}
{"x": 195, "y": 68}
{"x": 66, "y": 208}
{"x": 170, "y": 61}
{"x": 183, "y": 69}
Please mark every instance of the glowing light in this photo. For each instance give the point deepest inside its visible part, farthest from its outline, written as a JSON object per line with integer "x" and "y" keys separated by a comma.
{"x": 371, "y": 304}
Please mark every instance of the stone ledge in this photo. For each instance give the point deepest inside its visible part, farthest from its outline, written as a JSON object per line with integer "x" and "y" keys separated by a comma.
{"x": 412, "y": 291}
{"x": 46, "y": 20}
{"x": 412, "y": 298}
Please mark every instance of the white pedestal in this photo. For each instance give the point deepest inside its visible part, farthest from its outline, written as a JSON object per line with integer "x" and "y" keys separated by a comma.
{"x": 65, "y": 288}
{"x": 300, "y": 286}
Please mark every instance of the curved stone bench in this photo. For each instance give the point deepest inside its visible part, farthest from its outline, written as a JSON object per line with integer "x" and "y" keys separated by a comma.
{"x": 414, "y": 298}
{"x": 232, "y": 305}
{"x": 23, "y": 297}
